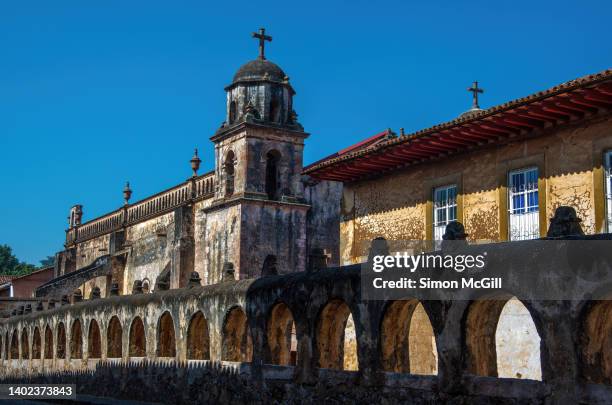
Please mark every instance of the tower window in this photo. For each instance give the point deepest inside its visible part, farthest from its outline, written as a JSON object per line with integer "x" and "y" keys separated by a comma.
{"x": 523, "y": 202}
{"x": 272, "y": 160}
{"x": 274, "y": 111}
{"x": 232, "y": 112}
{"x": 229, "y": 174}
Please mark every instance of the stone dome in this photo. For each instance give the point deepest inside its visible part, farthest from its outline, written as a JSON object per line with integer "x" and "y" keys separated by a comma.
{"x": 259, "y": 69}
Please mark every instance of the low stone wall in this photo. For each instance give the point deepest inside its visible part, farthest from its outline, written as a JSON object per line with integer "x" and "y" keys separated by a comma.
{"x": 101, "y": 344}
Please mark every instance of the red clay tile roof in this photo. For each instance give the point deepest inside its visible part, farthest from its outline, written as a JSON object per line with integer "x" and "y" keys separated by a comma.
{"x": 373, "y": 140}
{"x": 6, "y": 278}
{"x": 575, "y": 99}
{"x": 46, "y": 268}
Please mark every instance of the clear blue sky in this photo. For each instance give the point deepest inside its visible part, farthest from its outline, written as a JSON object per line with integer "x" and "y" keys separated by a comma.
{"x": 96, "y": 93}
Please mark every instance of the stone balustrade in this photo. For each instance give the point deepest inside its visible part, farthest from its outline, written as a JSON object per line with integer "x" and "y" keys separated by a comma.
{"x": 195, "y": 189}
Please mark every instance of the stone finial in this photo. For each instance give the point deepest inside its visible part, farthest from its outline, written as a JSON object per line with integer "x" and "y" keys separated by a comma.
{"x": 454, "y": 231}
{"x": 127, "y": 193}
{"x": 228, "y": 272}
{"x": 454, "y": 237}
{"x": 378, "y": 247}
{"x": 194, "y": 280}
{"x": 162, "y": 284}
{"x": 28, "y": 309}
{"x": 195, "y": 162}
{"x": 293, "y": 120}
{"x": 95, "y": 293}
{"x": 114, "y": 291}
{"x": 76, "y": 215}
{"x": 137, "y": 287}
{"x": 317, "y": 259}
{"x": 51, "y": 304}
{"x": 65, "y": 300}
{"x": 40, "y": 306}
{"x": 564, "y": 223}
{"x": 77, "y": 296}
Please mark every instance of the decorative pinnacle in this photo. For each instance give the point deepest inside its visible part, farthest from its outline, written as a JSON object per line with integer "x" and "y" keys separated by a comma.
{"x": 195, "y": 162}
{"x": 127, "y": 193}
{"x": 262, "y": 37}
{"x": 475, "y": 90}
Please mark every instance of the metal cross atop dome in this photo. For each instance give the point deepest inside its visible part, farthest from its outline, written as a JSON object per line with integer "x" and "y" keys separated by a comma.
{"x": 475, "y": 90}
{"x": 262, "y": 41}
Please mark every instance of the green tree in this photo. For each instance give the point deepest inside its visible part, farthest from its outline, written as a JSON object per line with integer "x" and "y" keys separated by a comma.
{"x": 10, "y": 265}
{"x": 48, "y": 261}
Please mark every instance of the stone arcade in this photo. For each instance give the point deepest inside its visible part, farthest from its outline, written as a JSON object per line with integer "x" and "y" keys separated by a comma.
{"x": 228, "y": 288}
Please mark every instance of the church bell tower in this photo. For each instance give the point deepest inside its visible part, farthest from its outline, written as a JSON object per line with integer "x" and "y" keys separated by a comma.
{"x": 257, "y": 220}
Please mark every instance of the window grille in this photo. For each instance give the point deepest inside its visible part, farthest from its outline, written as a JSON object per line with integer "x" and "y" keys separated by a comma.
{"x": 523, "y": 203}
{"x": 445, "y": 208}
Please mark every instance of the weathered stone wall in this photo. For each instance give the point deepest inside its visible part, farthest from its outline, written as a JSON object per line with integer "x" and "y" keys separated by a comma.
{"x": 208, "y": 234}
{"x": 149, "y": 251}
{"x": 323, "y": 218}
{"x": 290, "y": 148}
{"x": 202, "y": 245}
{"x": 397, "y": 206}
{"x": 150, "y": 246}
{"x": 273, "y": 229}
{"x": 90, "y": 250}
{"x": 220, "y": 242}
{"x": 100, "y": 282}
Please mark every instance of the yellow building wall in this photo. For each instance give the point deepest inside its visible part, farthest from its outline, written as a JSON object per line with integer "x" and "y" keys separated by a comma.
{"x": 398, "y": 206}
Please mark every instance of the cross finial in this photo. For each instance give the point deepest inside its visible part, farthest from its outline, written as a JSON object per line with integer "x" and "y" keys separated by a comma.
{"x": 262, "y": 41}
{"x": 475, "y": 90}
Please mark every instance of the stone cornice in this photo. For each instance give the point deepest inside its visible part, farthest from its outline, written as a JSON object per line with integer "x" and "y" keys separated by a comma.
{"x": 225, "y": 132}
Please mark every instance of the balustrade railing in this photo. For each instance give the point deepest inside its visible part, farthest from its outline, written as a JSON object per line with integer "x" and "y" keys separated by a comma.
{"x": 199, "y": 188}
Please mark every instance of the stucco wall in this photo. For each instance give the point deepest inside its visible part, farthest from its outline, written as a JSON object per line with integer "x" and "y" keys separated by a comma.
{"x": 397, "y": 206}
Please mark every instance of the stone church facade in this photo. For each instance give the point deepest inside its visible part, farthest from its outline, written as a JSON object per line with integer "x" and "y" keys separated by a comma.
{"x": 255, "y": 214}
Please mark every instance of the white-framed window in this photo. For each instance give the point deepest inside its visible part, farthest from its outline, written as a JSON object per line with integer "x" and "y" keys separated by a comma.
{"x": 608, "y": 188}
{"x": 524, "y": 221}
{"x": 445, "y": 208}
